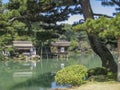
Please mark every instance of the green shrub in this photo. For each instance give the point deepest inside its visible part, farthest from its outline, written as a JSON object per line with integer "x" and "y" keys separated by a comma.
{"x": 100, "y": 74}
{"x": 111, "y": 76}
{"x": 99, "y": 78}
{"x": 73, "y": 75}
{"x": 97, "y": 71}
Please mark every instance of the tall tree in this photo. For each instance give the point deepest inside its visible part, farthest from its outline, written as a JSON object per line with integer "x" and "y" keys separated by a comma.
{"x": 104, "y": 28}
{"x": 113, "y": 30}
{"x": 96, "y": 44}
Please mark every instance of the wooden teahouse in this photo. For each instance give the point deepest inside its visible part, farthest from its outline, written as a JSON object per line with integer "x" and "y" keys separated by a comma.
{"x": 24, "y": 47}
{"x": 60, "y": 48}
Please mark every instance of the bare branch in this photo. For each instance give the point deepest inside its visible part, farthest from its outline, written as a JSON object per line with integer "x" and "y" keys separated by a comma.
{"x": 16, "y": 18}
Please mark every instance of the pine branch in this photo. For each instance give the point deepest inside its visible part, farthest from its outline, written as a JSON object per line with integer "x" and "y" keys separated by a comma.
{"x": 117, "y": 3}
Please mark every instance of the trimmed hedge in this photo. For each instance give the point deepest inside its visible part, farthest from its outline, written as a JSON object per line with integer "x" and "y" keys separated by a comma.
{"x": 73, "y": 75}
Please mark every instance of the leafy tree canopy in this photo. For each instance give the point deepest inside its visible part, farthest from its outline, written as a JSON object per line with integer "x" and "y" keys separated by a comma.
{"x": 103, "y": 27}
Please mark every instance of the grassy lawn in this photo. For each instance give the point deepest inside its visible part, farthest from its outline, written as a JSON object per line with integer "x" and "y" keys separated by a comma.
{"x": 98, "y": 86}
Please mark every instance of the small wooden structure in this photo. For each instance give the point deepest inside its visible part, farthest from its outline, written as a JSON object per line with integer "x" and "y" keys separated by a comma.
{"x": 60, "y": 48}
{"x": 25, "y": 47}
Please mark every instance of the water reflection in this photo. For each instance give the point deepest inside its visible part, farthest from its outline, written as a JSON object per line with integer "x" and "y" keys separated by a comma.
{"x": 43, "y": 80}
{"x": 54, "y": 86}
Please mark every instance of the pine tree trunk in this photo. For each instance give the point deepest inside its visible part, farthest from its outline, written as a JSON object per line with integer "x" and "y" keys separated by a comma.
{"x": 98, "y": 47}
{"x": 119, "y": 59}
{"x": 101, "y": 50}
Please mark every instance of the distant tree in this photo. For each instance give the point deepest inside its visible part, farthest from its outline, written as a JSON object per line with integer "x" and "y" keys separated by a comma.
{"x": 4, "y": 27}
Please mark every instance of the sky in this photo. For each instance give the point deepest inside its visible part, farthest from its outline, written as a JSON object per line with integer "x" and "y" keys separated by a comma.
{"x": 4, "y": 1}
{"x": 96, "y": 7}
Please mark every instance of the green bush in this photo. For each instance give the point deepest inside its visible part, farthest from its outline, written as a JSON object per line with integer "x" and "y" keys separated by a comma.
{"x": 97, "y": 71}
{"x": 101, "y": 74}
{"x": 99, "y": 78}
{"x": 73, "y": 75}
{"x": 111, "y": 76}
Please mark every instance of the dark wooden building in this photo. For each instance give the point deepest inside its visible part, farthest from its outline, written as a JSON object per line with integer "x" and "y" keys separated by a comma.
{"x": 24, "y": 47}
{"x": 60, "y": 48}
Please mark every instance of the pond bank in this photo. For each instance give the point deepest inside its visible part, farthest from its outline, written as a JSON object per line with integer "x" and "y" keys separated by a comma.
{"x": 96, "y": 86}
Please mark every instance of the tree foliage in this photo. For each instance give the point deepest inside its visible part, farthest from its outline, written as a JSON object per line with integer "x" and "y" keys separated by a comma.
{"x": 103, "y": 27}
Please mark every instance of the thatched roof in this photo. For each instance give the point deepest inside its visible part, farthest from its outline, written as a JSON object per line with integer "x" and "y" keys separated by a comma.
{"x": 61, "y": 43}
{"x": 22, "y": 44}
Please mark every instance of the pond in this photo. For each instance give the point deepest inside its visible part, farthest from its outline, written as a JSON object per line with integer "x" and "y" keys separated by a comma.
{"x": 39, "y": 75}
